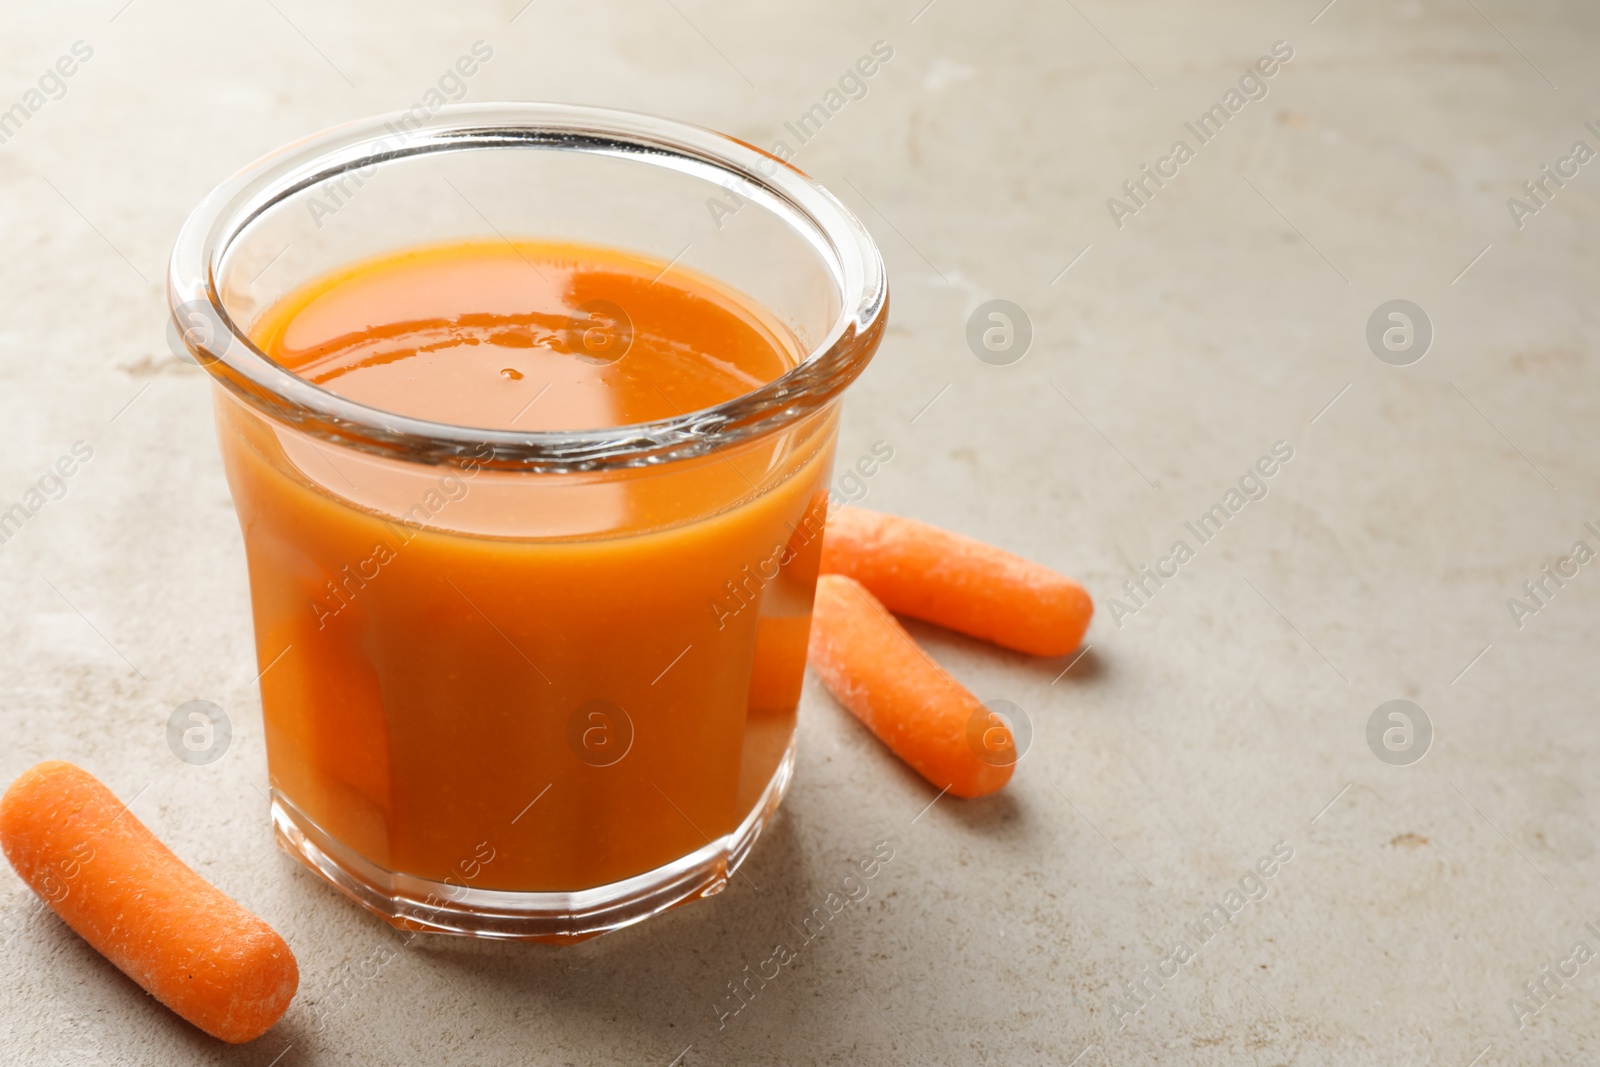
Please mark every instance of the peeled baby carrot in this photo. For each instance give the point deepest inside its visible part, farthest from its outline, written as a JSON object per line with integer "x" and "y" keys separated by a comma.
{"x": 958, "y": 582}
{"x": 927, "y": 718}
{"x": 140, "y": 906}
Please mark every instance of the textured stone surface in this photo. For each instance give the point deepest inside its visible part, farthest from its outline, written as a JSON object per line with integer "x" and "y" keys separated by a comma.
{"x": 1226, "y": 715}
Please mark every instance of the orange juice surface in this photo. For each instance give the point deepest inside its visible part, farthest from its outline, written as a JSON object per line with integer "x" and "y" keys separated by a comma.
{"x": 515, "y": 680}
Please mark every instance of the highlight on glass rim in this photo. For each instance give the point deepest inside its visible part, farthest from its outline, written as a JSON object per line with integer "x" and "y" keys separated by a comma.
{"x": 710, "y": 534}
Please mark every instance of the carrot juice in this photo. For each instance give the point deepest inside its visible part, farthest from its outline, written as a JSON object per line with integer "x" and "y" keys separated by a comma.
{"x": 528, "y": 411}
{"x": 524, "y": 682}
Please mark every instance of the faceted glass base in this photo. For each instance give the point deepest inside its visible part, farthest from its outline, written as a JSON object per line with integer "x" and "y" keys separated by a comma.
{"x": 412, "y": 903}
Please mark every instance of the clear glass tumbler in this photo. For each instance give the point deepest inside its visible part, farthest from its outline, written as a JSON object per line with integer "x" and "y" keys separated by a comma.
{"x": 497, "y": 701}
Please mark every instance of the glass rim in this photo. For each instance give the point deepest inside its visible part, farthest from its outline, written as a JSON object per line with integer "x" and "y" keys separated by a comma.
{"x": 228, "y": 354}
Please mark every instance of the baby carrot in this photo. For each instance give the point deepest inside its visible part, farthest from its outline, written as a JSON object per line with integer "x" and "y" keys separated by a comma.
{"x": 958, "y": 582}
{"x": 140, "y": 906}
{"x": 873, "y": 667}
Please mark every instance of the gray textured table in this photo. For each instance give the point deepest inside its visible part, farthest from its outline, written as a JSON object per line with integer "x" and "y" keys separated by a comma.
{"x": 1176, "y": 339}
